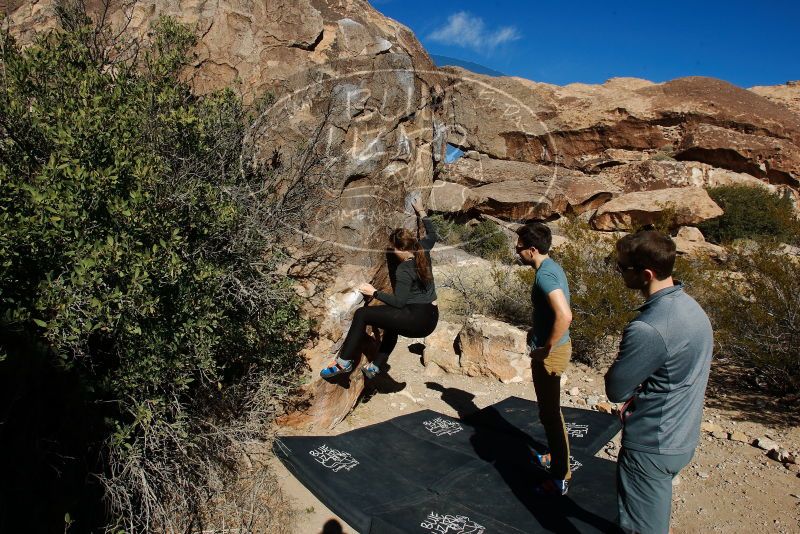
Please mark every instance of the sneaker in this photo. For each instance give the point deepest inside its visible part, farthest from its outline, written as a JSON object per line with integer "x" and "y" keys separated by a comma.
{"x": 552, "y": 487}
{"x": 541, "y": 460}
{"x": 370, "y": 370}
{"x": 336, "y": 368}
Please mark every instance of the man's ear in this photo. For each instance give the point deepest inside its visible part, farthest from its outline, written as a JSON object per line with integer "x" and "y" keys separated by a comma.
{"x": 649, "y": 275}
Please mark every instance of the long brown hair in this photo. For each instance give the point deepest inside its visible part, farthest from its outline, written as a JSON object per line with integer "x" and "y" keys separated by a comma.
{"x": 404, "y": 239}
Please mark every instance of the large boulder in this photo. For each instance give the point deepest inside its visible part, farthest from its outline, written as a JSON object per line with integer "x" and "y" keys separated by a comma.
{"x": 494, "y": 349}
{"x": 689, "y": 205}
{"x": 480, "y": 347}
{"x": 691, "y": 242}
{"x": 441, "y": 348}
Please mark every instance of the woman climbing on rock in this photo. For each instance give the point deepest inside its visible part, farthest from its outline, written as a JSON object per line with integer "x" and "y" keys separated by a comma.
{"x": 410, "y": 311}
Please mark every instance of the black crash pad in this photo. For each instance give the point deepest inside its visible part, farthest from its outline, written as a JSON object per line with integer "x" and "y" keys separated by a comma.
{"x": 427, "y": 472}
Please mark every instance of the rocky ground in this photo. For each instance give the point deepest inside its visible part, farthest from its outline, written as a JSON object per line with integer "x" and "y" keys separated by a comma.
{"x": 730, "y": 486}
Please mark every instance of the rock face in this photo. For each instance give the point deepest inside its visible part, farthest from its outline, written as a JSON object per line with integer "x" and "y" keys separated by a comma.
{"x": 653, "y": 174}
{"x": 787, "y": 94}
{"x": 691, "y": 205}
{"x": 591, "y": 127}
{"x": 518, "y": 190}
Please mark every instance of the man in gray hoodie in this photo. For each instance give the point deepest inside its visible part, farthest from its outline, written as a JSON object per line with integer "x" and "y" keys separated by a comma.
{"x": 660, "y": 374}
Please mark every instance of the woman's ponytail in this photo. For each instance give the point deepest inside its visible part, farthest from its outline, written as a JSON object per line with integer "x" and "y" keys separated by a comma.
{"x": 423, "y": 267}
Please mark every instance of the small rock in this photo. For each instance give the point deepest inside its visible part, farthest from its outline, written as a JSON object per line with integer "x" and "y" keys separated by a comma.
{"x": 587, "y": 379}
{"x": 765, "y": 444}
{"x": 580, "y": 402}
{"x": 719, "y": 434}
{"x": 702, "y": 474}
{"x": 792, "y": 468}
{"x": 676, "y": 481}
{"x": 781, "y": 456}
{"x": 739, "y": 436}
{"x": 592, "y": 400}
{"x": 604, "y": 407}
{"x": 574, "y": 392}
{"x": 708, "y": 426}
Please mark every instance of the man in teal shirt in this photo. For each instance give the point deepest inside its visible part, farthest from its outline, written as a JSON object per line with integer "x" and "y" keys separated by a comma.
{"x": 551, "y": 350}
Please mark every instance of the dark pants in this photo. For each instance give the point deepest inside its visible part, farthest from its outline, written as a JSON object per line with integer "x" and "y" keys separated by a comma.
{"x": 644, "y": 489}
{"x": 547, "y": 383}
{"x": 412, "y": 320}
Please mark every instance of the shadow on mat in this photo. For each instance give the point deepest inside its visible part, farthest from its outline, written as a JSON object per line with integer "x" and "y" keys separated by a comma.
{"x": 509, "y": 450}
{"x": 332, "y": 526}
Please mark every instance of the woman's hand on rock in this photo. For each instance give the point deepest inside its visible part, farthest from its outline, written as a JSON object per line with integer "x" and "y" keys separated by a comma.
{"x": 367, "y": 289}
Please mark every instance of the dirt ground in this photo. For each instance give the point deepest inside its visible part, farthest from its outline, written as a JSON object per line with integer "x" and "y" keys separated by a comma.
{"x": 730, "y": 486}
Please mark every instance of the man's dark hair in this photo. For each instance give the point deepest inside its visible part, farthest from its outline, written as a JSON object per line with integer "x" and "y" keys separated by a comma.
{"x": 648, "y": 249}
{"x": 536, "y": 235}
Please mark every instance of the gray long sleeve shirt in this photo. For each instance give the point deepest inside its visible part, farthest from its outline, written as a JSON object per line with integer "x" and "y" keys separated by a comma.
{"x": 663, "y": 363}
{"x": 409, "y": 288}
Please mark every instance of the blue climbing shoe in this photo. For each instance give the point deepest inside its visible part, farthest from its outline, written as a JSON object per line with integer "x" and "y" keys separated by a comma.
{"x": 370, "y": 370}
{"x": 337, "y": 367}
{"x": 541, "y": 460}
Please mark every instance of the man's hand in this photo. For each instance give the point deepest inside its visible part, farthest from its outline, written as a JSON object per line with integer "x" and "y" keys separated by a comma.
{"x": 540, "y": 353}
{"x": 367, "y": 289}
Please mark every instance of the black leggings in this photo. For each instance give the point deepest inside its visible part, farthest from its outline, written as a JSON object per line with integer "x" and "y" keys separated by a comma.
{"x": 412, "y": 320}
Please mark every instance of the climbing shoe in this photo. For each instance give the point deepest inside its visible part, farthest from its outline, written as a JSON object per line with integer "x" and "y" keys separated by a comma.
{"x": 337, "y": 367}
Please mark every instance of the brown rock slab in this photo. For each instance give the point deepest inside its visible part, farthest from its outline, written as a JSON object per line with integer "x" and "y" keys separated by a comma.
{"x": 690, "y": 205}
{"x": 495, "y": 349}
{"x": 521, "y": 200}
{"x": 449, "y": 197}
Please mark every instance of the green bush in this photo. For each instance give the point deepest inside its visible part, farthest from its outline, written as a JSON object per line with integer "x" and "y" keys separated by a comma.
{"x": 450, "y": 231}
{"x": 128, "y": 243}
{"x": 601, "y": 304}
{"x": 754, "y": 305}
{"x": 488, "y": 241}
{"x": 751, "y": 212}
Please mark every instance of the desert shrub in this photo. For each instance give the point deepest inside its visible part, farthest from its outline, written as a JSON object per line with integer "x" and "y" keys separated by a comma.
{"x": 450, "y": 231}
{"x": 488, "y": 241}
{"x": 601, "y": 304}
{"x": 754, "y": 305}
{"x": 131, "y": 244}
{"x": 751, "y": 212}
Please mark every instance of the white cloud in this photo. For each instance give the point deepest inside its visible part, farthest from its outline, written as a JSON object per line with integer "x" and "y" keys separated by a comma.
{"x": 469, "y": 31}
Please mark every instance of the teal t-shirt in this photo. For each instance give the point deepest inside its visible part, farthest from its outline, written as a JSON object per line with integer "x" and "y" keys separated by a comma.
{"x": 549, "y": 277}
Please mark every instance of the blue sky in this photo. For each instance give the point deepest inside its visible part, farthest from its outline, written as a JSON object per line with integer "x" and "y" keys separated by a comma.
{"x": 746, "y": 43}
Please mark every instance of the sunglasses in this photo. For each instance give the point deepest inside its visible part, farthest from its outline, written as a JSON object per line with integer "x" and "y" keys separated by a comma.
{"x": 622, "y": 268}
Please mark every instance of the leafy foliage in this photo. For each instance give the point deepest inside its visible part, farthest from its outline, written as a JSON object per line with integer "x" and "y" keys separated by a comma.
{"x": 128, "y": 241}
{"x": 751, "y": 212}
{"x": 754, "y": 305}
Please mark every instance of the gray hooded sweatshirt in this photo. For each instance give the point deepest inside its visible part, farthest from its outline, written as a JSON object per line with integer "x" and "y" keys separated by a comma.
{"x": 663, "y": 363}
